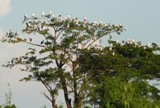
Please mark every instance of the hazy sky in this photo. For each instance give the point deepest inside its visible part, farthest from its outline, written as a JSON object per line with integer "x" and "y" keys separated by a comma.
{"x": 141, "y": 18}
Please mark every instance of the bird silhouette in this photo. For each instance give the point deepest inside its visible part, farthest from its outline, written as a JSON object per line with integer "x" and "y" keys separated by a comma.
{"x": 30, "y": 39}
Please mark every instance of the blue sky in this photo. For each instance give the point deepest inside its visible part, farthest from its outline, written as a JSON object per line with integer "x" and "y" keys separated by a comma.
{"x": 141, "y": 19}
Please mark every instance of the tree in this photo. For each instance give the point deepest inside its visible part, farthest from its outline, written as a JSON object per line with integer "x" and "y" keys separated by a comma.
{"x": 54, "y": 60}
{"x": 122, "y": 71}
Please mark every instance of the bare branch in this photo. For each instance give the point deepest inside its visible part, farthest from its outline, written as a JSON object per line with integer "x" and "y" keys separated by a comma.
{"x": 34, "y": 44}
{"x": 59, "y": 34}
{"x": 92, "y": 42}
{"x": 47, "y": 87}
{"x": 47, "y": 96}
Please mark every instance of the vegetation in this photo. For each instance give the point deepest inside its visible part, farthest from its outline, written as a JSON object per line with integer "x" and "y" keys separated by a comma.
{"x": 8, "y": 103}
{"x": 67, "y": 55}
{"x": 121, "y": 78}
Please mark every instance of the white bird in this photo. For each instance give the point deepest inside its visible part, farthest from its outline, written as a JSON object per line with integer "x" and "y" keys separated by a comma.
{"x": 50, "y": 13}
{"x": 132, "y": 40}
{"x": 120, "y": 26}
{"x": 75, "y": 19}
{"x": 117, "y": 41}
{"x": 44, "y": 28}
{"x": 148, "y": 44}
{"x": 59, "y": 19}
{"x": 67, "y": 25}
{"x": 100, "y": 47}
{"x": 105, "y": 25}
{"x": 113, "y": 53}
{"x": 111, "y": 45}
{"x": 53, "y": 15}
{"x": 95, "y": 22}
{"x": 68, "y": 17}
{"x": 85, "y": 19}
{"x": 43, "y": 14}
{"x": 33, "y": 15}
{"x": 110, "y": 48}
{"x": 28, "y": 24}
{"x": 65, "y": 18}
{"x": 77, "y": 22}
{"x": 101, "y": 22}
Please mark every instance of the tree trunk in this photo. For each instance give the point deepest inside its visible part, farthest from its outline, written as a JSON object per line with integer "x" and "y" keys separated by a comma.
{"x": 77, "y": 102}
{"x": 65, "y": 90}
{"x": 77, "y": 98}
{"x": 67, "y": 99}
{"x": 53, "y": 102}
{"x": 64, "y": 86}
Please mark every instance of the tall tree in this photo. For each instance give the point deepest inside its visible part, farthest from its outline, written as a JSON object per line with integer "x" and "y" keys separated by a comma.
{"x": 54, "y": 59}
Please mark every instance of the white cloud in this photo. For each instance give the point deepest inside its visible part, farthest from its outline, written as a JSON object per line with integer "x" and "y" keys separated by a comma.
{"x": 5, "y": 7}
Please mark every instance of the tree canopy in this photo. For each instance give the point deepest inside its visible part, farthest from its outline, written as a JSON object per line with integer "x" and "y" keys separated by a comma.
{"x": 66, "y": 54}
{"x": 122, "y": 78}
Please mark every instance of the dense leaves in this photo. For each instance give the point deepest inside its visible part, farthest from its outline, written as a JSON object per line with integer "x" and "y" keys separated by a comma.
{"x": 121, "y": 80}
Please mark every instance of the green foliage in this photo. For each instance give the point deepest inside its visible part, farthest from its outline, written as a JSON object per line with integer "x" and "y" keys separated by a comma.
{"x": 8, "y": 106}
{"x": 8, "y": 103}
{"x": 68, "y": 57}
{"x": 121, "y": 80}
{"x": 87, "y": 107}
{"x": 55, "y": 64}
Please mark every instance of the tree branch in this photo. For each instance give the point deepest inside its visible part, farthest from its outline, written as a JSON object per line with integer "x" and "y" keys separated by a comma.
{"x": 34, "y": 44}
{"x": 47, "y": 96}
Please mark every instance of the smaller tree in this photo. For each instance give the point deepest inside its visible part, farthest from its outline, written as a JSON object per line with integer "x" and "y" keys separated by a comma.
{"x": 8, "y": 103}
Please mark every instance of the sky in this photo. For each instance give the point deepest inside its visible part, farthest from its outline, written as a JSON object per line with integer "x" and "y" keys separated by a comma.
{"x": 140, "y": 18}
